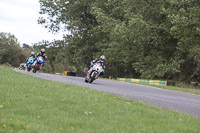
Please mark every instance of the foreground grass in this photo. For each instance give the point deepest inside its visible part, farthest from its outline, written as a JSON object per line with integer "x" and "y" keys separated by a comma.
{"x": 33, "y": 105}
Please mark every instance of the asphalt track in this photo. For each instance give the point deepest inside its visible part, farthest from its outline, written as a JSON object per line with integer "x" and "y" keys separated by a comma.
{"x": 161, "y": 98}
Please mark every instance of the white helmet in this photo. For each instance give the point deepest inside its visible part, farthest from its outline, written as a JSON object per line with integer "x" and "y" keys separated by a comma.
{"x": 42, "y": 50}
{"x": 103, "y": 58}
{"x": 32, "y": 53}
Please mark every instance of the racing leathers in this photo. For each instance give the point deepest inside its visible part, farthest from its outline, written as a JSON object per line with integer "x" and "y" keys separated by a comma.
{"x": 43, "y": 55}
{"x": 33, "y": 56}
{"x": 98, "y": 60}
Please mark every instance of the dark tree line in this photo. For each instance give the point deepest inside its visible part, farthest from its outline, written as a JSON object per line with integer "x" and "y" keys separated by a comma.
{"x": 10, "y": 51}
{"x": 140, "y": 38}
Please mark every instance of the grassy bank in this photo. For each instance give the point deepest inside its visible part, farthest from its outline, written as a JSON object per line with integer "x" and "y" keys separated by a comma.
{"x": 33, "y": 105}
{"x": 188, "y": 90}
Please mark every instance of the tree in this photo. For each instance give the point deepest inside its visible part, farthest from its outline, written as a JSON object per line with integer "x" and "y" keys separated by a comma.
{"x": 184, "y": 17}
{"x": 10, "y": 49}
{"x": 55, "y": 58}
{"x": 76, "y": 17}
{"x": 26, "y": 47}
{"x": 140, "y": 38}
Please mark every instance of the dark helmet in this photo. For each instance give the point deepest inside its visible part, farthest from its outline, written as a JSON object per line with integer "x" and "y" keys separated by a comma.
{"x": 102, "y": 58}
{"x": 42, "y": 50}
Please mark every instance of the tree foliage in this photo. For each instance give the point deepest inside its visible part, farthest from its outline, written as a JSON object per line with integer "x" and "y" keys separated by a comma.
{"x": 184, "y": 17}
{"x": 140, "y": 38}
{"x": 10, "y": 50}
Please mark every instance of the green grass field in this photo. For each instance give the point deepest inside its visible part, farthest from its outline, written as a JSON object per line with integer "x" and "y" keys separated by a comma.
{"x": 33, "y": 105}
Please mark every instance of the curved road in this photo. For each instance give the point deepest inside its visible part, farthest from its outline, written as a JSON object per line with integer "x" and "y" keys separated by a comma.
{"x": 166, "y": 99}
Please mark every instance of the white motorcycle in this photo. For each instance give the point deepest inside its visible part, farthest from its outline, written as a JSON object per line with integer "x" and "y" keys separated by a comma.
{"x": 94, "y": 72}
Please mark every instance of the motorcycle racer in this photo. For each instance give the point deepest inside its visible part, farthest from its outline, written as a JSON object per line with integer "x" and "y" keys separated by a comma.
{"x": 100, "y": 60}
{"x": 42, "y": 53}
{"x": 32, "y": 55}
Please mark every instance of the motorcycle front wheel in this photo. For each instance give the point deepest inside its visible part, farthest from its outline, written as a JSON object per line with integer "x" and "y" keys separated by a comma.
{"x": 35, "y": 69}
{"x": 92, "y": 77}
{"x": 29, "y": 67}
{"x": 86, "y": 81}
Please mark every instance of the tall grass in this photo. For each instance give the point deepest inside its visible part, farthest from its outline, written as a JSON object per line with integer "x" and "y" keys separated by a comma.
{"x": 33, "y": 105}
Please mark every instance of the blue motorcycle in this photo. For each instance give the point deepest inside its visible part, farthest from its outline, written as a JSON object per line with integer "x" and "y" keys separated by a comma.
{"x": 30, "y": 63}
{"x": 40, "y": 61}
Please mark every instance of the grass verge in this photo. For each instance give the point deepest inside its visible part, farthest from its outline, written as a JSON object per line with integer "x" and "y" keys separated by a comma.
{"x": 188, "y": 90}
{"x": 33, "y": 105}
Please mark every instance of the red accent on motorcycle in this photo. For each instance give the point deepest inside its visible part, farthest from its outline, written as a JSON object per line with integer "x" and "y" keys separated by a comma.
{"x": 89, "y": 75}
{"x": 37, "y": 64}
